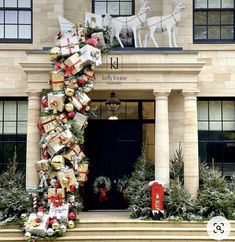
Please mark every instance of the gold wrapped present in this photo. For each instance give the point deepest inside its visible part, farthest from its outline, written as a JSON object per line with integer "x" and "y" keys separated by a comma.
{"x": 73, "y": 64}
{"x": 69, "y": 45}
{"x": 49, "y": 123}
{"x": 83, "y": 171}
{"x": 74, "y": 150}
{"x": 90, "y": 54}
{"x": 67, "y": 178}
{"x": 55, "y": 195}
{"x": 56, "y": 80}
{"x": 80, "y": 100}
{"x": 42, "y": 165}
{"x": 57, "y": 162}
{"x": 56, "y": 102}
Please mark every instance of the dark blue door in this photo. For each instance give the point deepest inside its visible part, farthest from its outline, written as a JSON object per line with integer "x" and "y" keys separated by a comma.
{"x": 112, "y": 148}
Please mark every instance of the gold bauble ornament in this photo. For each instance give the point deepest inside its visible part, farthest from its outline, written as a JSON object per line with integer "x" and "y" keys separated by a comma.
{"x": 57, "y": 162}
{"x": 71, "y": 224}
{"x": 69, "y": 92}
{"x": 69, "y": 107}
{"x": 23, "y": 216}
{"x": 55, "y": 52}
{"x": 55, "y": 225}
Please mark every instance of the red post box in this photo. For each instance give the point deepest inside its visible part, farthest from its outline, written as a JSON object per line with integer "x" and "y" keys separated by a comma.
{"x": 157, "y": 199}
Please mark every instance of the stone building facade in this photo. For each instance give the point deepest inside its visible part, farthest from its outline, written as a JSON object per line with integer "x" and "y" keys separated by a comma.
{"x": 190, "y": 89}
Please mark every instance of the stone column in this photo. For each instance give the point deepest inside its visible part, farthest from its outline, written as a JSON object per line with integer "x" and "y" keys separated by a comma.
{"x": 33, "y": 137}
{"x": 190, "y": 151}
{"x": 161, "y": 136}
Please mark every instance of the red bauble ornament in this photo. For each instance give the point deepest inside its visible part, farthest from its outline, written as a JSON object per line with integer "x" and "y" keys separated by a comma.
{"x": 45, "y": 156}
{"x": 72, "y": 216}
{"x": 41, "y": 209}
{"x": 72, "y": 188}
{"x": 44, "y": 103}
{"x": 38, "y": 220}
{"x": 82, "y": 81}
{"x": 71, "y": 114}
{"x": 56, "y": 185}
{"x": 53, "y": 220}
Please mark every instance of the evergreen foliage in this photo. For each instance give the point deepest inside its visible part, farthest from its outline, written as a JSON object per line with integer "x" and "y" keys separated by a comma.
{"x": 138, "y": 190}
{"x": 14, "y": 200}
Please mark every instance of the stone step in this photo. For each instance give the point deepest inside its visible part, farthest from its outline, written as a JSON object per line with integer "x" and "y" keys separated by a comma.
{"x": 132, "y": 238}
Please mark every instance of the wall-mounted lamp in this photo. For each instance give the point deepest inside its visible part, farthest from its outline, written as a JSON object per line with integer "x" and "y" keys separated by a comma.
{"x": 113, "y": 104}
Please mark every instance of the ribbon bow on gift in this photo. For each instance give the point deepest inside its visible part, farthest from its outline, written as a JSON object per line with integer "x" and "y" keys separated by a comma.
{"x": 57, "y": 200}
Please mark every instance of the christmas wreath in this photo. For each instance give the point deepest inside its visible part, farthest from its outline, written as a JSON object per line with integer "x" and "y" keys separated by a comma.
{"x": 102, "y": 185}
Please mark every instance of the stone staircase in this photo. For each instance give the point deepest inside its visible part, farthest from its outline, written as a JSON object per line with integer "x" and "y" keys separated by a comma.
{"x": 127, "y": 230}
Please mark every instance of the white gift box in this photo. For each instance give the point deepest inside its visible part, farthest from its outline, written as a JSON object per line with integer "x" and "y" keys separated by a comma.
{"x": 69, "y": 45}
{"x": 90, "y": 54}
{"x": 79, "y": 120}
{"x": 61, "y": 212}
{"x": 56, "y": 102}
{"x": 80, "y": 101}
{"x": 100, "y": 37}
{"x": 93, "y": 20}
{"x": 41, "y": 229}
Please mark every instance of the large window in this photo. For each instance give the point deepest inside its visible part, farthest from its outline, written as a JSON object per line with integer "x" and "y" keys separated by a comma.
{"x": 13, "y": 125}
{"x": 213, "y": 21}
{"x": 16, "y": 21}
{"x": 216, "y": 129}
{"x": 113, "y": 7}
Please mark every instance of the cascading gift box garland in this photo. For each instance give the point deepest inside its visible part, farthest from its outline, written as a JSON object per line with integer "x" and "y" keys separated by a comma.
{"x": 65, "y": 110}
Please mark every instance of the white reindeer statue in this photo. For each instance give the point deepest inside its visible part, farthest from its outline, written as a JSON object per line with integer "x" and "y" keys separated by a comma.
{"x": 164, "y": 23}
{"x": 132, "y": 23}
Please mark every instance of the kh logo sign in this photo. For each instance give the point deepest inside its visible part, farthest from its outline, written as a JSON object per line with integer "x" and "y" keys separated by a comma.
{"x": 114, "y": 63}
{"x": 218, "y": 228}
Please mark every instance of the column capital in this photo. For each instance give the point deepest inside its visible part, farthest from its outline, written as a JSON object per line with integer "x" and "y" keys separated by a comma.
{"x": 190, "y": 93}
{"x": 161, "y": 93}
{"x": 33, "y": 94}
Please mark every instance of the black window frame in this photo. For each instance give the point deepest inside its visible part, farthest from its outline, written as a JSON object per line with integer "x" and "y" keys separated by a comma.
{"x": 207, "y": 10}
{"x": 18, "y": 40}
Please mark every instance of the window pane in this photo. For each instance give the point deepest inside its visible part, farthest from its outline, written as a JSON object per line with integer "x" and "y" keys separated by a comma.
{"x": 9, "y": 110}
{"x": 1, "y": 3}
{"x": 200, "y": 32}
{"x": 148, "y": 110}
{"x": 202, "y": 110}
{"x": 25, "y": 31}
{"x": 1, "y": 110}
{"x": 22, "y": 110}
{"x": 24, "y": 17}
{"x": 200, "y": 18}
{"x": 100, "y": 8}
{"x": 200, "y": 4}
{"x": 9, "y": 128}
{"x": 1, "y": 17}
{"x": 24, "y": 3}
{"x": 11, "y": 31}
{"x": 132, "y": 110}
{"x": 1, "y": 31}
{"x": 215, "y": 110}
{"x": 228, "y": 110}
{"x": 0, "y": 127}
{"x": 11, "y": 17}
{"x": 214, "y": 32}
{"x": 126, "y": 8}
{"x": 215, "y": 126}
{"x": 202, "y": 125}
{"x": 213, "y": 17}
{"x": 229, "y": 126}
{"x": 213, "y": 3}
{"x": 113, "y": 8}
{"x": 227, "y": 3}
{"x": 22, "y": 128}
{"x": 11, "y": 3}
{"x": 227, "y": 32}
{"x": 227, "y": 17}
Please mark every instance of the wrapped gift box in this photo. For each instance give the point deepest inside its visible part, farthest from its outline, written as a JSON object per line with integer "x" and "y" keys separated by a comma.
{"x": 54, "y": 143}
{"x": 42, "y": 165}
{"x": 62, "y": 118}
{"x": 93, "y": 20}
{"x": 67, "y": 137}
{"x": 49, "y": 123}
{"x": 60, "y": 212}
{"x": 56, "y": 102}
{"x": 100, "y": 37}
{"x": 55, "y": 196}
{"x": 83, "y": 171}
{"x": 57, "y": 80}
{"x": 72, "y": 83}
{"x": 90, "y": 54}
{"x": 41, "y": 229}
{"x": 67, "y": 178}
{"x": 74, "y": 150}
{"x": 73, "y": 64}
{"x": 69, "y": 45}
{"x": 79, "y": 121}
{"x": 82, "y": 34}
{"x": 80, "y": 100}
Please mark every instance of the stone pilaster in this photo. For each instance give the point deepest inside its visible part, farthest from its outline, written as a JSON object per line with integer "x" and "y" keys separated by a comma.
{"x": 191, "y": 166}
{"x": 33, "y": 137}
{"x": 161, "y": 136}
